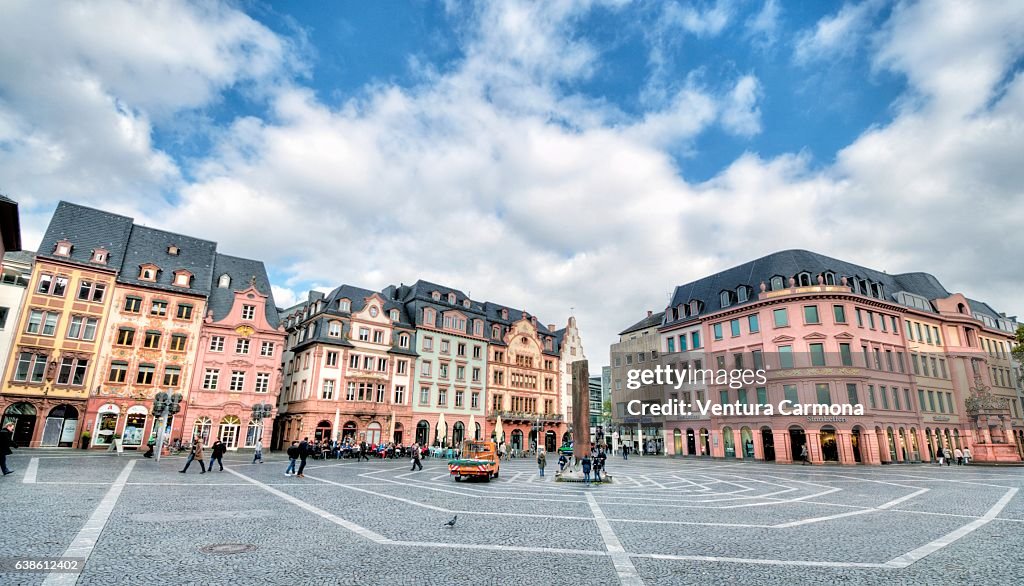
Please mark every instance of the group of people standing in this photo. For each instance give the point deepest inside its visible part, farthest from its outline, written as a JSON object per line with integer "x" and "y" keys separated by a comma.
{"x": 594, "y": 462}
{"x": 217, "y": 451}
{"x": 963, "y": 457}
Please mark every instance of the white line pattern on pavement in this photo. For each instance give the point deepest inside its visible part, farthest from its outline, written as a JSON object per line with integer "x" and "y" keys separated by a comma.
{"x": 628, "y": 575}
{"x": 31, "y": 471}
{"x": 83, "y": 543}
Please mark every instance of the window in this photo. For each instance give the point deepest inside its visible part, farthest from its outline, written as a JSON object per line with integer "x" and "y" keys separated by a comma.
{"x": 888, "y": 361}
{"x": 31, "y": 367}
{"x": 42, "y": 322}
{"x": 785, "y": 357}
{"x": 723, "y": 397}
{"x": 184, "y": 311}
{"x": 671, "y": 344}
{"x": 248, "y": 312}
{"x": 758, "y": 360}
{"x": 896, "y": 398}
{"x": 753, "y": 324}
{"x": 845, "y": 356}
{"x": 50, "y": 285}
{"x": 401, "y": 367}
{"x": 682, "y": 343}
{"x": 717, "y": 329}
{"x": 327, "y": 392}
{"x": 72, "y": 371}
{"x": 238, "y": 380}
{"x": 474, "y": 400}
{"x": 242, "y": 346}
{"x": 147, "y": 273}
{"x": 382, "y": 365}
{"x": 158, "y": 308}
{"x": 378, "y": 336}
{"x": 871, "y": 320}
{"x": 460, "y": 373}
{"x": 822, "y": 394}
{"x": 91, "y": 291}
{"x": 216, "y": 343}
{"x": 118, "y": 372}
{"x": 211, "y": 378}
{"x": 895, "y": 324}
{"x": 741, "y": 294}
{"x": 152, "y": 339}
{"x": 460, "y": 398}
{"x": 914, "y": 363}
{"x": 724, "y": 298}
{"x": 145, "y": 374}
{"x": 262, "y": 382}
{"x": 920, "y": 399}
{"x": 267, "y": 349}
{"x": 442, "y": 397}
{"x": 332, "y": 358}
{"x": 132, "y": 304}
{"x": 178, "y": 342}
{"x": 426, "y": 368}
{"x": 734, "y": 327}
{"x": 817, "y": 354}
{"x": 695, "y": 340}
{"x": 883, "y": 393}
{"x": 224, "y": 281}
{"x": 762, "y": 395}
{"x": 790, "y": 393}
{"x": 172, "y": 374}
{"x": 781, "y": 317}
{"x": 399, "y": 394}
{"x": 476, "y": 374}
{"x": 424, "y": 395}
{"x": 83, "y": 328}
{"x": 811, "y": 314}
{"x": 445, "y": 347}
{"x": 851, "y": 394}
{"x": 871, "y": 395}
{"x": 442, "y": 370}
{"x": 777, "y": 283}
{"x": 125, "y": 336}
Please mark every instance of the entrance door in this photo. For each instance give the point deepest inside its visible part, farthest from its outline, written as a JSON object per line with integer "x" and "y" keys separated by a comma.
{"x": 229, "y": 435}
{"x": 549, "y": 441}
{"x": 60, "y": 427}
{"x": 23, "y": 416}
{"x": 797, "y": 441}
{"x": 768, "y": 444}
{"x": 691, "y": 442}
{"x": 829, "y": 447}
{"x": 677, "y": 442}
{"x": 855, "y": 442}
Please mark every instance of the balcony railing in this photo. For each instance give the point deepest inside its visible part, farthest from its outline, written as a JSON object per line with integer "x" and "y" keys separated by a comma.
{"x": 512, "y": 416}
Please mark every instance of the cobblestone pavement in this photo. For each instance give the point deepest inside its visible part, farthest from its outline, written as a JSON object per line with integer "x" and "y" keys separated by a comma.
{"x": 661, "y": 521}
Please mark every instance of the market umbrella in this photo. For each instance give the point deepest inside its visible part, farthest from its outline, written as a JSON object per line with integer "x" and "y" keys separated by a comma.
{"x": 337, "y": 422}
{"x": 442, "y": 429}
{"x": 472, "y": 427}
{"x": 391, "y": 437}
{"x": 499, "y": 433}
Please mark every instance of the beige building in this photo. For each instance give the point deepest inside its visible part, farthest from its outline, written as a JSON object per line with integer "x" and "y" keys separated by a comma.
{"x": 637, "y": 348}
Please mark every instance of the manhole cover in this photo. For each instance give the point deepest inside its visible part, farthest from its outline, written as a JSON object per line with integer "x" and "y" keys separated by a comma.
{"x": 227, "y": 548}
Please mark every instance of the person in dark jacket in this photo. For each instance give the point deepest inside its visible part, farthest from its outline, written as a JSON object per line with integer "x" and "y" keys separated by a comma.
{"x": 362, "y": 452}
{"x": 416, "y": 454}
{"x": 217, "y": 454}
{"x": 7, "y": 443}
{"x": 304, "y": 450}
{"x": 586, "y": 469}
{"x": 293, "y": 456}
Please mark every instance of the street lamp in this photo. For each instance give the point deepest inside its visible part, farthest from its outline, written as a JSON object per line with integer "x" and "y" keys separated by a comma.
{"x": 164, "y": 405}
{"x": 261, "y": 411}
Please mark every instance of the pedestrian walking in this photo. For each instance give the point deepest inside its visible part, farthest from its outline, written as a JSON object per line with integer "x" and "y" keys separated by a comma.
{"x": 304, "y": 449}
{"x": 602, "y": 459}
{"x": 362, "y": 452}
{"x": 625, "y": 452}
{"x": 196, "y": 453}
{"x": 258, "y": 453}
{"x": 416, "y": 454}
{"x": 804, "y": 456}
{"x": 293, "y": 456}
{"x": 939, "y": 454}
{"x": 597, "y": 469}
{"x": 217, "y": 453}
{"x": 7, "y": 444}
{"x": 586, "y": 469}
{"x": 542, "y": 461}
{"x": 946, "y": 454}
{"x": 967, "y": 455}
{"x": 959, "y": 455}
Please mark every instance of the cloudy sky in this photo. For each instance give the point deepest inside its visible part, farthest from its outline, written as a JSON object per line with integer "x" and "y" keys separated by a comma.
{"x": 556, "y": 156}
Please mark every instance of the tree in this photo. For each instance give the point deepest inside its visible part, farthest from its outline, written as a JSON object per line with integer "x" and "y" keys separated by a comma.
{"x": 1018, "y": 349}
{"x": 606, "y": 411}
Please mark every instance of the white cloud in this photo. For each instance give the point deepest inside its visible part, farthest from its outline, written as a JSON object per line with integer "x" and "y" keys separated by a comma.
{"x": 709, "y": 21}
{"x": 837, "y": 35}
{"x": 763, "y": 26}
{"x": 741, "y": 115}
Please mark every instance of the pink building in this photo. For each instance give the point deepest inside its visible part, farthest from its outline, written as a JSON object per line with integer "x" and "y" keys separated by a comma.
{"x": 930, "y": 368}
{"x": 239, "y": 359}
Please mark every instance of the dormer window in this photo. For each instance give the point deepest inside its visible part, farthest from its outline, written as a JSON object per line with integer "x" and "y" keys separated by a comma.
{"x": 224, "y": 281}
{"x": 466, "y": 303}
{"x": 830, "y": 278}
{"x": 724, "y": 298}
{"x": 63, "y": 248}
{"x": 148, "y": 272}
{"x": 741, "y": 294}
{"x": 173, "y": 250}
{"x": 344, "y": 305}
{"x": 804, "y": 279}
{"x": 436, "y": 295}
{"x": 99, "y": 256}
{"x": 393, "y": 315}
{"x": 182, "y": 278}
{"x": 504, "y": 314}
{"x": 451, "y": 298}
{"x": 496, "y": 332}
{"x": 694, "y": 307}
{"x": 777, "y": 283}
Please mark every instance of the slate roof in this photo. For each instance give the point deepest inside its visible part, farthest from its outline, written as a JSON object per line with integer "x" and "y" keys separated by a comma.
{"x": 241, "y": 271}
{"x": 87, "y": 229}
{"x": 788, "y": 263}
{"x": 653, "y": 320}
{"x": 149, "y": 246}
{"x": 21, "y": 256}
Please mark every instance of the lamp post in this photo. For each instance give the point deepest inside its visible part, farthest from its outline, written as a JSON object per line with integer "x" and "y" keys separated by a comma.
{"x": 261, "y": 411}
{"x": 164, "y": 405}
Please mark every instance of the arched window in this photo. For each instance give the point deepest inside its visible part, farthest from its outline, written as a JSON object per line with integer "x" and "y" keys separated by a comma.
{"x": 422, "y": 433}
{"x": 803, "y": 279}
{"x": 436, "y": 295}
{"x": 741, "y": 294}
{"x": 694, "y": 307}
{"x": 451, "y": 298}
{"x": 201, "y": 430}
{"x": 373, "y": 433}
{"x": 393, "y": 314}
{"x": 228, "y": 430}
{"x": 777, "y": 283}
{"x": 224, "y": 281}
{"x": 348, "y": 431}
{"x": 254, "y": 433}
{"x": 830, "y": 278}
{"x": 724, "y": 298}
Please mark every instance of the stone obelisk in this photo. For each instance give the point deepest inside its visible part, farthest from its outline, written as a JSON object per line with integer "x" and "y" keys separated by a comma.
{"x": 580, "y": 409}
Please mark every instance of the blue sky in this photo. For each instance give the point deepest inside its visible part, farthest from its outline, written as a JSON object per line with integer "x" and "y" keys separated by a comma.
{"x": 554, "y": 155}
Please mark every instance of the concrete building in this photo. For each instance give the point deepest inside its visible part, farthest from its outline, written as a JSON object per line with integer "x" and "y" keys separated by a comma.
{"x": 638, "y": 346}
{"x": 931, "y": 368}
{"x": 571, "y": 345}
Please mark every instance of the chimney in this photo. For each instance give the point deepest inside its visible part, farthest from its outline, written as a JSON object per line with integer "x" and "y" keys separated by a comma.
{"x": 649, "y": 313}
